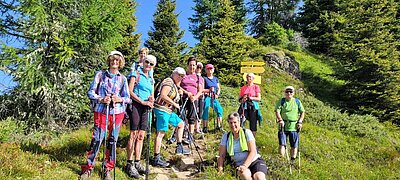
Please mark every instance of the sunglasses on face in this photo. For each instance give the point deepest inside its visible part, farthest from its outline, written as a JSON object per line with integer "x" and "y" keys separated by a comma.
{"x": 148, "y": 62}
{"x": 181, "y": 75}
{"x": 198, "y": 67}
{"x": 287, "y": 92}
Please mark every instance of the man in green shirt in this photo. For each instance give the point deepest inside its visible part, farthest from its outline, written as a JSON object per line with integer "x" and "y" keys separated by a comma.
{"x": 290, "y": 114}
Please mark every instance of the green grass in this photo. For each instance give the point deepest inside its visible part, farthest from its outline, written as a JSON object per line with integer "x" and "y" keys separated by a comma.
{"x": 334, "y": 144}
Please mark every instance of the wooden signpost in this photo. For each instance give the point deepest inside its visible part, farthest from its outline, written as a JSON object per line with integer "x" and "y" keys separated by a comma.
{"x": 252, "y": 67}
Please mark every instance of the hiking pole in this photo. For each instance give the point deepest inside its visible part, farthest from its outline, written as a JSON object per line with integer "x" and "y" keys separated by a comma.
{"x": 287, "y": 154}
{"x": 105, "y": 143}
{"x": 194, "y": 143}
{"x": 298, "y": 149}
{"x": 113, "y": 137}
{"x": 148, "y": 142}
{"x": 212, "y": 105}
{"x": 170, "y": 140}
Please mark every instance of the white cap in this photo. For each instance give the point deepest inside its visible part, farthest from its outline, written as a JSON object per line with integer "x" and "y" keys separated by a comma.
{"x": 200, "y": 64}
{"x": 251, "y": 75}
{"x": 151, "y": 59}
{"x": 289, "y": 87}
{"x": 116, "y": 53}
{"x": 179, "y": 70}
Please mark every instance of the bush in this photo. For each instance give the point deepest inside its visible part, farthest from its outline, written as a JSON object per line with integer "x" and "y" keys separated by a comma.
{"x": 9, "y": 130}
{"x": 275, "y": 35}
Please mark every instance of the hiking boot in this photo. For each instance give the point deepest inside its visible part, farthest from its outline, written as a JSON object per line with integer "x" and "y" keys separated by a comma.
{"x": 140, "y": 168}
{"x": 292, "y": 160}
{"x": 131, "y": 171}
{"x": 205, "y": 130}
{"x": 186, "y": 141}
{"x": 157, "y": 161}
{"x": 85, "y": 175}
{"x": 107, "y": 175}
{"x": 181, "y": 150}
{"x": 171, "y": 140}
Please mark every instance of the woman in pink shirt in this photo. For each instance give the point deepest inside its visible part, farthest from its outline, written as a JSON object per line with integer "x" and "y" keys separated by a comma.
{"x": 249, "y": 96}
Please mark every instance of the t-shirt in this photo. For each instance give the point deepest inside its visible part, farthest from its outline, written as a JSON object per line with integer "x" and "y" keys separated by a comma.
{"x": 239, "y": 157}
{"x": 213, "y": 82}
{"x": 190, "y": 83}
{"x": 173, "y": 94}
{"x": 145, "y": 87}
{"x": 289, "y": 112}
{"x": 251, "y": 91}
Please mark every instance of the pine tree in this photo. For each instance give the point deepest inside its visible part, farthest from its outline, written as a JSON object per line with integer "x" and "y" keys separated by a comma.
{"x": 164, "y": 39}
{"x": 317, "y": 25}
{"x": 268, "y": 11}
{"x": 225, "y": 46}
{"x": 368, "y": 48}
{"x": 204, "y": 18}
{"x": 207, "y": 13}
{"x": 62, "y": 43}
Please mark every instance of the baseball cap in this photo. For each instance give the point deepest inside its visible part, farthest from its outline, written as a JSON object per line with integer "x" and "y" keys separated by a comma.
{"x": 179, "y": 70}
{"x": 209, "y": 66}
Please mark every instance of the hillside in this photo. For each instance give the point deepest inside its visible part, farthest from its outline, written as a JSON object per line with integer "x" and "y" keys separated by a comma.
{"x": 333, "y": 145}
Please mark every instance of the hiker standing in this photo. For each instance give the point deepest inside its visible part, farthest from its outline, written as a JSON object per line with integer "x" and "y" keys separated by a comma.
{"x": 192, "y": 86}
{"x": 240, "y": 145}
{"x": 141, "y": 87}
{"x": 200, "y": 101}
{"x": 212, "y": 89}
{"x": 249, "y": 96}
{"x": 165, "y": 103}
{"x": 108, "y": 89}
{"x": 290, "y": 114}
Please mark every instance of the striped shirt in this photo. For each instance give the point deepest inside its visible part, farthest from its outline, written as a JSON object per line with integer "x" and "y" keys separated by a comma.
{"x": 106, "y": 84}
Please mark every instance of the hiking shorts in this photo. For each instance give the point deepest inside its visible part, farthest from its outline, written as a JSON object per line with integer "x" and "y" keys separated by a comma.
{"x": 293, "y": 138}
{"x": 139, "y": 117}
{"x": 258, "y": 165}
{"x": 163, "y": 118}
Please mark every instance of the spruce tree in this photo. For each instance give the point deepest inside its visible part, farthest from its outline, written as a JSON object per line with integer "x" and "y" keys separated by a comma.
{"x": 225, "y": 45}
{"x": 164, "y": 39}
{"x": 368, "y": 48}
{"x": 61, "y": 45}
{"x": 204, "y": 18}
{"x": 317, "y": 25}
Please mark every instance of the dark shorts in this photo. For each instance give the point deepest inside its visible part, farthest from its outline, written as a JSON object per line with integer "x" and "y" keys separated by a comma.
{"x": 200, "y": 106}
{"x": 190, "y": 109}
{"x": 293, "y": 138}
{"x": 139, "y": 116}
{"x": 258, "y": 165}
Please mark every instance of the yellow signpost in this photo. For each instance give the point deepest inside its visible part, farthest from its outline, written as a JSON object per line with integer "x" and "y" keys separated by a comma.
{"x": 252, "y": 67}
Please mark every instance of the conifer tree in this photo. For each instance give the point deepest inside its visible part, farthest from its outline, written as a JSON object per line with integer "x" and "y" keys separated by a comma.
{"x": 164, "y": 39}
{"x": 317, "y": 25}
{"x": 60, "y": 45}
{"x": 368, "y": 48}
{"x": 225, "y": 45}
{"x": 207, "y": 13}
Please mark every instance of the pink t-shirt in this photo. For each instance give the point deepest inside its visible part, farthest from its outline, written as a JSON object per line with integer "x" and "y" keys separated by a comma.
{"x": 251, "y": 91}
{"x": 190, "y": 83}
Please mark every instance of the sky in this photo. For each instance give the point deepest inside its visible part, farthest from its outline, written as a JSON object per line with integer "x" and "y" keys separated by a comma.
{"x": 144, "y": 14}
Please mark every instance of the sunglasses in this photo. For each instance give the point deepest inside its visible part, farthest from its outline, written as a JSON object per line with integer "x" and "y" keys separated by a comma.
{"x": 148, "y": 62}
{"x": 288, "y": 92}
{"x": 198, "y": 67}
{"x": 181, "y": 75}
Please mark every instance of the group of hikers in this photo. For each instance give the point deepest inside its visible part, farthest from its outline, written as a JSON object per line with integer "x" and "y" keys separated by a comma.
{"x": 183, "y": 101}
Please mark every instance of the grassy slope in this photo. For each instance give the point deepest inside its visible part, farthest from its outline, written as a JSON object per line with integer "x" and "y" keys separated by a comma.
{"x": 333, "y": 145}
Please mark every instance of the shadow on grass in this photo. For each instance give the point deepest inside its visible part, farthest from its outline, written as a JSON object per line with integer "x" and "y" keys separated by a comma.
{"x": 323, "y": 89}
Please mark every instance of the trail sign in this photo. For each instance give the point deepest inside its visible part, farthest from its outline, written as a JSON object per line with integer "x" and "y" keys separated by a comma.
{"x": 257, "y": 79}
{"x": 252, "y": 69}
{"x": 252, "y": 63}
